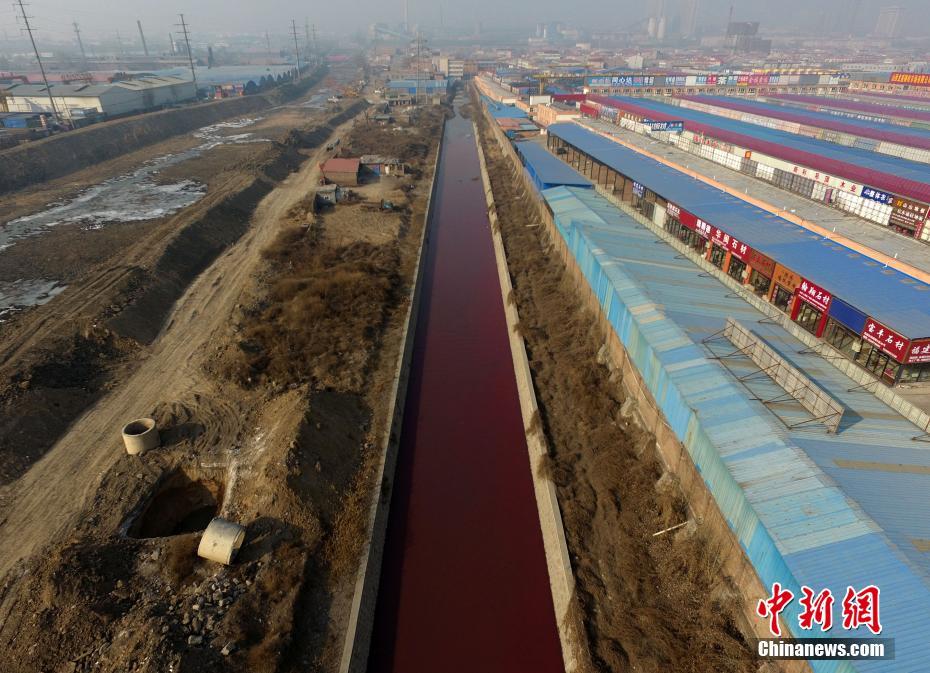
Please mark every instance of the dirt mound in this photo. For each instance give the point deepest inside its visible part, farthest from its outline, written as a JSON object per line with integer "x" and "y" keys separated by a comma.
{"x": 647, "y": 603}
{"x": 190, "y": 252}
{"x": 320, "y": 320}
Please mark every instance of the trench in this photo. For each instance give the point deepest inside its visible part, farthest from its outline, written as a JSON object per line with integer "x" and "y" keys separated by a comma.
{"x": 464, "y": 585}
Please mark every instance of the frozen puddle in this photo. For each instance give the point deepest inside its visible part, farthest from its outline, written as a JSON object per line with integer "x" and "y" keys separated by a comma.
{"x": 20, "y": 294}
{"x": 134, "y": 196}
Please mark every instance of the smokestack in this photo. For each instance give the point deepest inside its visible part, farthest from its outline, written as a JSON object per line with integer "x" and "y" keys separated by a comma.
{"x": 142, "y": 35}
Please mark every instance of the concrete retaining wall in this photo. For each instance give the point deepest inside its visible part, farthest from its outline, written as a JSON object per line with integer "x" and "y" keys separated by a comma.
{"x": 558, "y": 563}
{"x": 357, "y": 641}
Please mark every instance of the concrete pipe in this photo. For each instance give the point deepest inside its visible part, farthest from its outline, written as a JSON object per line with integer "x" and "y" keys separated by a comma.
{"x": 140, "y": 435}
{"x": 221, "y": 541}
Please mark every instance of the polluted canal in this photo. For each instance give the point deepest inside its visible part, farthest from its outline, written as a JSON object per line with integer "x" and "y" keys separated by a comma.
{"x": 464, "y": 585}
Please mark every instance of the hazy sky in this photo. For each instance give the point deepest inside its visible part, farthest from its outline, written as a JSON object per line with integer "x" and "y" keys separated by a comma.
{"x": 102, "y": 17}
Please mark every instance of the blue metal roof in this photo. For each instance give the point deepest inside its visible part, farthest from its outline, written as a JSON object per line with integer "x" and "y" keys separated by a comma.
{"x": 808, "y": 507}
{"x": 546, "y": 170}
{"x": 772, "y": 107}
{"x": 500, "y": 110}
{"x": 882, "y": 163}
{"x": 891, "y": 297}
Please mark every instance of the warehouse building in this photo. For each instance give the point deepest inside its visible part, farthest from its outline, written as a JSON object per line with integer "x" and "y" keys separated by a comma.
{"x": 75, "y": 101}
{"x": 886, "y": 190}
{"x": 808, "y": 507}
{"x": 876, "y": 317}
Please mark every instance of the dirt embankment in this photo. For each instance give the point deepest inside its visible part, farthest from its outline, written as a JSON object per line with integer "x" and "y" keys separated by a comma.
{"x": 647, "y": 603}
{"x": 58, "y": 359}
{"x": 43, "y": 160}
{"x": 272, "y": 397}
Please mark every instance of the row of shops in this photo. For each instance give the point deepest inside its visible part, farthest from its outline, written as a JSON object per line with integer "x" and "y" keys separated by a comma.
{"x": 882, "y": 348}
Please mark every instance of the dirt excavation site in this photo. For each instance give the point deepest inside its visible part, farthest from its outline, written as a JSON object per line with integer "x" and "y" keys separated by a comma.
{"x": 193, "y": 281}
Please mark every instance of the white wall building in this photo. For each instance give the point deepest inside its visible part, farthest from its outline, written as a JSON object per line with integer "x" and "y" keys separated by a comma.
{"x": 119, "y": 98}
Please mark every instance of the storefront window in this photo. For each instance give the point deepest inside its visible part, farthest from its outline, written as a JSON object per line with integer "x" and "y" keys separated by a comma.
{"x": 699, "y": 244}
{"x": 736, "y": 269}
{"x": 782, "y": 298}
{"x": 842, "y": 338}
{"x": 717, "y": 256}
{"x": 878, "y": 363}
{"x": 760, "y": 284}
{"x": 915, "y": 373}
{"x": 809, "y": 317}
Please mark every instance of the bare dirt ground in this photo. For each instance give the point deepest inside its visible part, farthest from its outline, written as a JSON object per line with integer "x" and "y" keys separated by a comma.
{"x": 198, "y": 328}
{"x": 647, "y": 603}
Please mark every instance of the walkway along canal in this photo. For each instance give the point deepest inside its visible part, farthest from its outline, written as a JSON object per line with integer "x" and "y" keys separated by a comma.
{"x": 463, "y": 584}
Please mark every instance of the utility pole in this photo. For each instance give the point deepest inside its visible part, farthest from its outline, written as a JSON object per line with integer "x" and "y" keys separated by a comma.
{"x": 296, "y": 48}
{"x": 313, "y": 46}
{"x": 77, "y": 33}
{"x": 145, "y": 47}
{"x": 417, "y": 99}
{"x": 51, "y": 99}
{"x": 190, "y": 54}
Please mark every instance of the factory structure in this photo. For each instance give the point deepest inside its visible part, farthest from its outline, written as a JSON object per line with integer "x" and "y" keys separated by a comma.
{"x": 761, "y": 261}
{"x": 77, "y": 101}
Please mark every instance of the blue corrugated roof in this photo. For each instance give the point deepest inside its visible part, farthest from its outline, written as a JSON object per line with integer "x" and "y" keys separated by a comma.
{"x": 882, "y": 163}
{"x": 499, "y": 110}
{"x": 814, "y": 116}
{"x": 891, "y": 297}
{"x": 808, "y": 507}
{"x": 547, "y": 170}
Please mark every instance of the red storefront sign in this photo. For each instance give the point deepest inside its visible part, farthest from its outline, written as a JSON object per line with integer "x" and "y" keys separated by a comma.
{"x": 761, "y": 263}
{"x": 814, "y": 295}
{"x": 910, "y": 78}
{"x": 919, "y": 351}
{"x": 727, "y": 242}
{"x": 885, "y": 339}
{"x": 704, "y": 229}
{"x": 687, "y": 219}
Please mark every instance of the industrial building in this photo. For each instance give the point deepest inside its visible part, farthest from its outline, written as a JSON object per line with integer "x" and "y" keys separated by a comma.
{"x": 827, "y": 500}
{"x": 111, "y": 100}
{"x": 885, "y": 189}
{"x": 832, "y": 292}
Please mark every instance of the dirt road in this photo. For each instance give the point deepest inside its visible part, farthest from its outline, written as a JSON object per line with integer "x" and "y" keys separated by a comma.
{"x": 44, "y": 503}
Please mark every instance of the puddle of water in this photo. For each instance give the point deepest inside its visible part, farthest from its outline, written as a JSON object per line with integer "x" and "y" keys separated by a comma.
{"x": 21, "y": 294}
{"x": 133, "y": 196}
{"x": 130, "y": 197}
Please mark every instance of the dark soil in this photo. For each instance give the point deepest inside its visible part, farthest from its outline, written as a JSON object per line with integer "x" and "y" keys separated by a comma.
{"x": 647, "y": 603}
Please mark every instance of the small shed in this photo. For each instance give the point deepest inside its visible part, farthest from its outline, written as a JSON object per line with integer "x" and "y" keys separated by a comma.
{"x": 342, "y": 171}
{"x": 383, "y": 165}
{"x": 329, "y": 195}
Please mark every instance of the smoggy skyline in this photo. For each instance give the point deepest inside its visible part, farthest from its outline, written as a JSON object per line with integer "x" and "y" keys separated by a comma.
{"x": 102, "y": 18}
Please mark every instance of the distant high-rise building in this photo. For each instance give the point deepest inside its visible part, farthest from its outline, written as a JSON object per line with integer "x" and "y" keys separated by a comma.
{"x": 689, "y": 10}
{"x": 660, "y": 28}
{"x": 889, "y": 22}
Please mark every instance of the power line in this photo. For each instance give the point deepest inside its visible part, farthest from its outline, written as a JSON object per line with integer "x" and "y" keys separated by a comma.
{"x": 296, "y": 48}
{"x": 190, "y": 54}
{"x": 51, "y": 99}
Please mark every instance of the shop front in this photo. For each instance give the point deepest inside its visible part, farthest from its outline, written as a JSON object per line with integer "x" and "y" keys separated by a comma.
{"x": 883, "y": 351}
{"x": 917, "y": 369}
{"x": 760, "y": 278}
{"x": 844, "y": 328}
{"x": 784, "y": 283}
{"x": 810, "y": 309}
